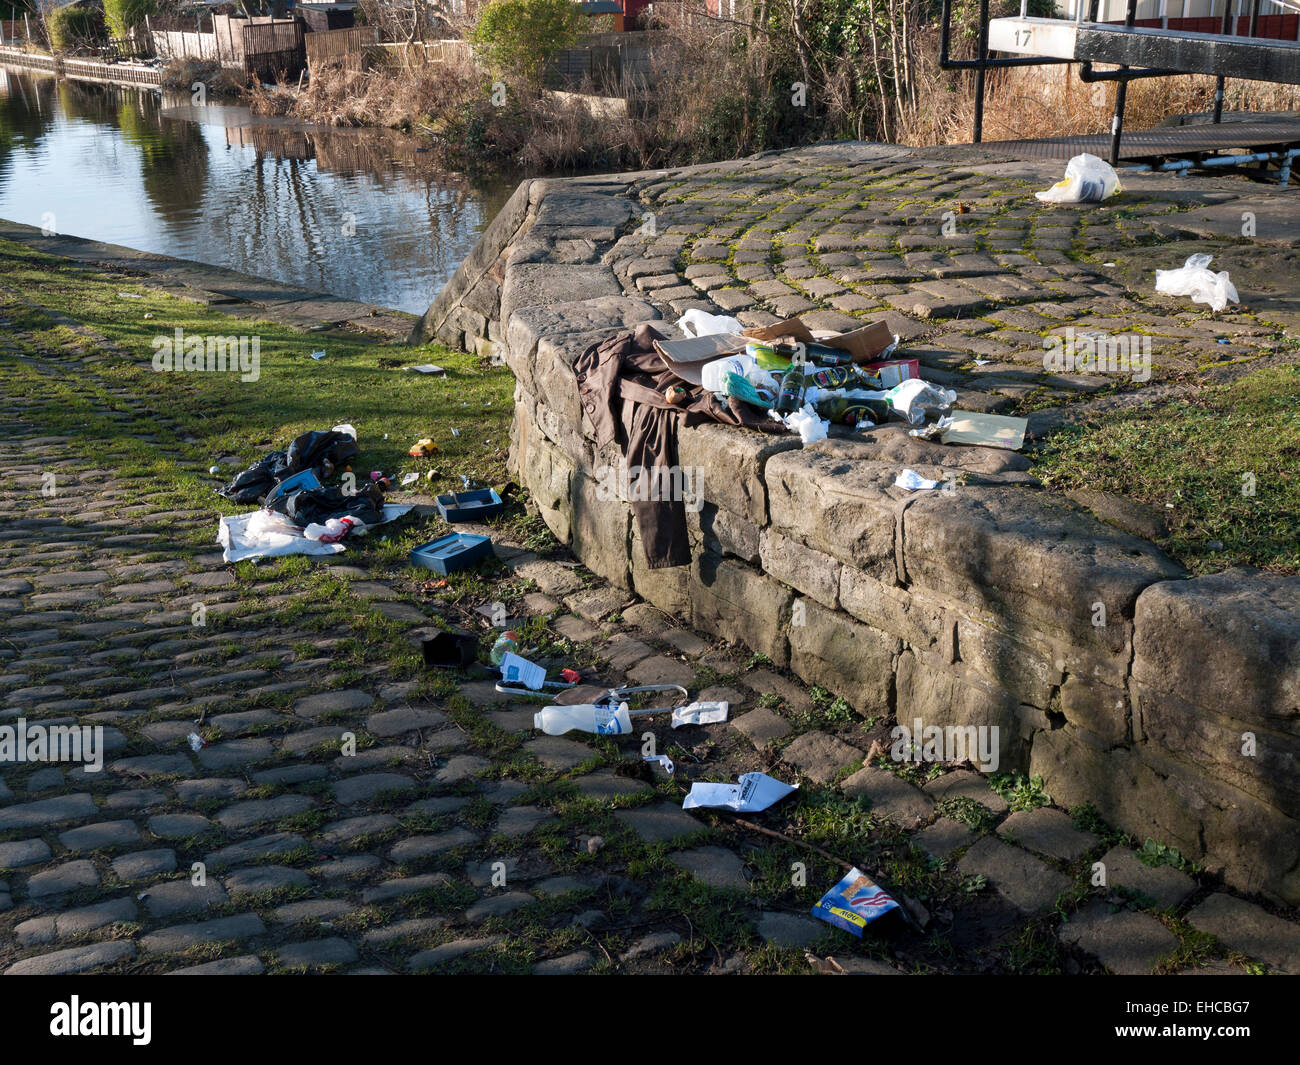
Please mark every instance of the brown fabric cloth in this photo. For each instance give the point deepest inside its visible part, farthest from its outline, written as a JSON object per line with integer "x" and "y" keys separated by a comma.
{"x": 622, "y": 383}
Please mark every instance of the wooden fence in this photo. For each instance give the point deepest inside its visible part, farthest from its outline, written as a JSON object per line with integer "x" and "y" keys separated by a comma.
{"x": 339, "y": 48}
{"x": 274, "y": 48}
{"x": 180, "y": 44}
{"x": 117, "y": 48}
{"x": 416, "y": 54}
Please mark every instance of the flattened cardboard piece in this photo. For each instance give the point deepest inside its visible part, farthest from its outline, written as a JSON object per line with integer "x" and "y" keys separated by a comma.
{"x": 863, "y": 344}
{"x": 790, "y": 327}
{"x": 989, "y": 430}
{"x": 686, "y": 358}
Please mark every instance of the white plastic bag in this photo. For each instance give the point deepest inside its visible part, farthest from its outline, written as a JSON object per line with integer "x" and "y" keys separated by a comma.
{"x": 1195, "y": 279}
{"x": 698, "y": 323}
{"x": 713, "y": 375}
{"x": 1087, "y": 180}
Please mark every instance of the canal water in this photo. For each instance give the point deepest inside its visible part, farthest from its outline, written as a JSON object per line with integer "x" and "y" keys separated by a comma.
{"x": 358, "y": 213}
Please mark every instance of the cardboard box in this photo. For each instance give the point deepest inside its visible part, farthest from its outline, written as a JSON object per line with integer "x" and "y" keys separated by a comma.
{"x": 894, "y": 371}
{"x": 686, "y": 358}
{"x": 862, "y": 344}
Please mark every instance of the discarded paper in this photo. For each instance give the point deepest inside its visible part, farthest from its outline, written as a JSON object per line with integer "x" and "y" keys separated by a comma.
{"x": 756, "y": 791}
{"x": 517, "y": 670}
{"x": 991, "y": 430}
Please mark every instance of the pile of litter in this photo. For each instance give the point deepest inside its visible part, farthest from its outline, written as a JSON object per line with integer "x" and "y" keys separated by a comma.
{"x": 808, "y": 380}
{"x": 301, "y": 514}
{"x": 852, "y": 904}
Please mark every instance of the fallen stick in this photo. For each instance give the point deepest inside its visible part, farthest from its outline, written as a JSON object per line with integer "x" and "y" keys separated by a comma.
{"x": 736, "y": 819}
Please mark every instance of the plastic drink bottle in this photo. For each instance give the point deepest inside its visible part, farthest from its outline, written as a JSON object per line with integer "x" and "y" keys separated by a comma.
{"x": 600, "y": 719}
{"x": 507, "y": 643}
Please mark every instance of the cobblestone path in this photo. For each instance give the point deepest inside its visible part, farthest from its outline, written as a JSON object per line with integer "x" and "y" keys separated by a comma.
{"x": 454, "y": 836}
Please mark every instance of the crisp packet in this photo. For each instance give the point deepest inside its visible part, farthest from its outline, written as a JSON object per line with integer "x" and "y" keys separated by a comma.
{"x": 853, "y": 903}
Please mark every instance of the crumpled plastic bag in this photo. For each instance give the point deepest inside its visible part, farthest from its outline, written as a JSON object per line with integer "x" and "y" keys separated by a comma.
{"x": 698, "y": 323}
{"x": 1195, "y": 279}
{"x": 1087, "y": 180}
{"x": 912, "y": 398}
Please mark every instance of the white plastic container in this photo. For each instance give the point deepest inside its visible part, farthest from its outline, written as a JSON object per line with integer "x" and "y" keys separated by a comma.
{"x": 600, "y": 720}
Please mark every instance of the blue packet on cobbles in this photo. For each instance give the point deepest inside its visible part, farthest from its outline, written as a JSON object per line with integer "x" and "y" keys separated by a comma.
{"x": 854, "y": 903}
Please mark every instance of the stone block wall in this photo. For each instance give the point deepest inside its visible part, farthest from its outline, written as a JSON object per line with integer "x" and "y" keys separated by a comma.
{"x": 1170, "y": 703}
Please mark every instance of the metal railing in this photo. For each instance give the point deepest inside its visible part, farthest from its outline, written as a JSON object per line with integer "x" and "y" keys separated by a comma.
{"x": 983, "y": 62}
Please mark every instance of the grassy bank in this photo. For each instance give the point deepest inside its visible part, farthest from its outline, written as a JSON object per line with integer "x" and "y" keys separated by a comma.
{"x": 1187, "y": 459}
{"x": 1223, "y": 468}
{"x": 360, "y": 379}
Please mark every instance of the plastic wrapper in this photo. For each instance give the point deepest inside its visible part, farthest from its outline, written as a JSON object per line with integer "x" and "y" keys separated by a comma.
{"x": 912, "y": 399}
{"x": 854, "y": 903}
{"x": 698, "y": 323}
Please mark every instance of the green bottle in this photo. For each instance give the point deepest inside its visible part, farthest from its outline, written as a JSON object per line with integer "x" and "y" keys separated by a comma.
{"x": 844, "y": 411}
{"x": 837, "y": 377}
{"x": 793, "y": 385}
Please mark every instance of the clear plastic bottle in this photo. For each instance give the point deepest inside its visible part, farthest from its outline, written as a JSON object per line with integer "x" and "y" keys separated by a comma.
{"x": 600, "y": 719}
{"x": 507, "y": 643}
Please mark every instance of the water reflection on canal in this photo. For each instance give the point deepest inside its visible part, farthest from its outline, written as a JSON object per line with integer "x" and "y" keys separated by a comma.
{"x": 357, "y": 213}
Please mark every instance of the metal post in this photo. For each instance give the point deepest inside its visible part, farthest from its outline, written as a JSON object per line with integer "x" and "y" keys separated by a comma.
{"x": 980, "y": 72}
{"x": 1121, "y": 94}
{"x": 1254, "y": 19}
{"x": 1221, "y": 81}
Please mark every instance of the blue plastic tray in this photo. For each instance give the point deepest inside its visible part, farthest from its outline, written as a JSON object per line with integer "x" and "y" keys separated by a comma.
{"x": 452, "y": 552}
{"x": 469, "y": 506}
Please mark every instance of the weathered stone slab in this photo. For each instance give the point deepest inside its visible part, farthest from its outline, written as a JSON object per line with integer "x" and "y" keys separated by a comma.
{"x": 1237, "y": 631}
{"x": 1024, "y": 881}
{"x": 1047, "y": 831}
{"x": 659, "y": 824}
{"x": 1016, "y": 552}
{"x": 1163, "y": 884}
{"x": 819, "y": 756}
{"x": 740, "y": 604}
{"x": 1251, "y": 930}
{"x": 715, "y": 866}
{"x": 903, "y": 803}
{"x": 1127, "y": 943}
{"x": 849, "y": 659}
